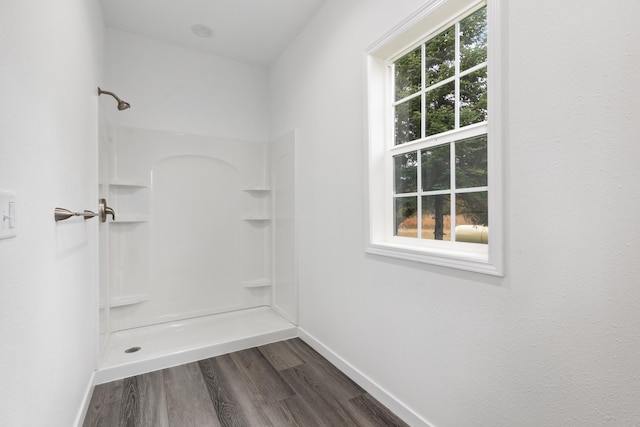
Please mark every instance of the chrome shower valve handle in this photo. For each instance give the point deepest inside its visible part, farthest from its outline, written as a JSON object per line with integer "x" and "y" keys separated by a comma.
{"x": 104, "y": 210}
{"x": 61, "y": 214}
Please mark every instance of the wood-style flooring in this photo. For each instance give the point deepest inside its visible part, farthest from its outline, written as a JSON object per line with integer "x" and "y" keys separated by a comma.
{"x": 281, "y": 384}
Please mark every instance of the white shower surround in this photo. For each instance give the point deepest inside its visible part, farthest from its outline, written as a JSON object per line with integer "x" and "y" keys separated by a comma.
{"x": 215, "y": 108}
{"x": 181, "y": 246}
{"x": 203, "y": 242}
{"x": 174, "y": 343}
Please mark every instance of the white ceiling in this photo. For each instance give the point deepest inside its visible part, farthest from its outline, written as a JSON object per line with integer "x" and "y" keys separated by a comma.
{"x": 252, "y": 31}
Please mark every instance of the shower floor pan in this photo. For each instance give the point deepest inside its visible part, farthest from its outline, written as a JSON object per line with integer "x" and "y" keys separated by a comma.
{"x": 175, "y": 343}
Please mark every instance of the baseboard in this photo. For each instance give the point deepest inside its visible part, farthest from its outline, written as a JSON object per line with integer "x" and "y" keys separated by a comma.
{"x": 378, "y": 392}
{"x": 84, "y": 407}
{"x": 386, "y": 398}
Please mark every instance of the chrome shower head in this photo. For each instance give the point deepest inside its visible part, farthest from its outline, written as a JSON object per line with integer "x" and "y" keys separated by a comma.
{"x": 121, "y": 104}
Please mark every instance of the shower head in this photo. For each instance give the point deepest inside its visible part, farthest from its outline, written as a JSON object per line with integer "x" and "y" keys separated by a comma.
{"x": 121, "y": 104}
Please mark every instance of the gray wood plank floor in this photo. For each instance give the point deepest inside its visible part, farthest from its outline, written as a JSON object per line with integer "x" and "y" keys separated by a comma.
{"x": 281, "y": 384}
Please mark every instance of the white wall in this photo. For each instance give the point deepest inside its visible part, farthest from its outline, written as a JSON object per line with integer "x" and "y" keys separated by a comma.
{"x": 176, "y": 89}
{"x": 51, "y": 54}
{"x": 555, "y": 342}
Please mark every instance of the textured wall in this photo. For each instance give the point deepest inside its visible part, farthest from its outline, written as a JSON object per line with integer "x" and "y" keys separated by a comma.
{"x": 555, "y": 342}
{"x": 51, "y": 61}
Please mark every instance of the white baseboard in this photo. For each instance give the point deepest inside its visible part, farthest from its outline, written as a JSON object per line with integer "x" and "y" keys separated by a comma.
{"x": 382, "y": 395}
{"x": 84, "y": 407}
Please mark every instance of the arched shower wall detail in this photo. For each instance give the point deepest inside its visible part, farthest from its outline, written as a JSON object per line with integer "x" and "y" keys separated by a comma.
{"x": 196, "y": 236}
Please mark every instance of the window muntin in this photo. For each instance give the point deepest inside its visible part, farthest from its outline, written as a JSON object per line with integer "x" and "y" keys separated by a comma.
{"x": 441, "y": 85}
{"x": 388, "y": 208}
{"x": 446, "y": 187}
{"x": 440, "y": 88}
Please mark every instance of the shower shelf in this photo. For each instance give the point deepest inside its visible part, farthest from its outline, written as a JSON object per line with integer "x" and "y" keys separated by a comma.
{"x": 259, "y": 283}
{"x": 257, "y": 189}
{"x": 128, "y": 184}
{"x": 128, "y": 300}
{"x": 256, "y": 218}
{"x": 130, "y": 218}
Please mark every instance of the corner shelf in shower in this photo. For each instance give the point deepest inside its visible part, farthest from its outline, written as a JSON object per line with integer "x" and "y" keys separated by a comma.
{"x": 256, "y": 218}
{"x": 128, "y": 184}
{"x": 258, "y": 283}
{"x": 257, "y": 189}
{"x": 258, "y": 193}
{"x": 128, "y": 219}
{"x": 128, "y": 300}
{"x": 130, "y": 199}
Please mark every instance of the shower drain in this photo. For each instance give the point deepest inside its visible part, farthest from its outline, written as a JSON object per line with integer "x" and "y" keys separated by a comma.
{"x": 133, "y": 349}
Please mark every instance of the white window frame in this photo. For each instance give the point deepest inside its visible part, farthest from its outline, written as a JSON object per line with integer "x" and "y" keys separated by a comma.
{"x": 429, "y": 20}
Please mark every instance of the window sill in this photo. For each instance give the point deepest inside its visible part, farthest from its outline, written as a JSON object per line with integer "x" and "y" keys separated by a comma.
{"x": 478, "y": 263}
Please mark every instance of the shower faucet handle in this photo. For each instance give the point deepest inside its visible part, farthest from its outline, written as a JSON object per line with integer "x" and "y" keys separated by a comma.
{"x": 104, "y": 210}
{"x": 60, "y": 214}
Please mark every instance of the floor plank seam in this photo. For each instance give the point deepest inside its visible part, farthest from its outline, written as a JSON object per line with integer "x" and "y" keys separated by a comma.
{"x": 283, "y": 384}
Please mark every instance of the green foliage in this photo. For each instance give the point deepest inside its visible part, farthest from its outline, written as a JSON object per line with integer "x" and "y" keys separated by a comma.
{"x": 474, "y": 207}
{"x": 436, "y": 168}
{"x": 407, "y": 74}
{"x": 473, "y": 39}
{"x": 471, "y": 171}
{"x": 406, "y": 172}
{"x": 408, "y": 121}
{"x": 405, "y": 208}
{"x": 440, "y": 116}
{"x": 473, "y": 98}
{"x": 440, "y": 109}
{"x": 471, "y": 162}
{"x": 440, "y": 102}
{"x": 440, "y": 56}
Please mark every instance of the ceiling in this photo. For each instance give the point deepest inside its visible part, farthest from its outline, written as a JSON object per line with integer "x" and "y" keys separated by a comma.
{"x": 251, "y": 31}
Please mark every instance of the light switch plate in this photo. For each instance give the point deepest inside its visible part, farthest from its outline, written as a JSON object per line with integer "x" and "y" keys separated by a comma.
{"x": 7, "y": 214}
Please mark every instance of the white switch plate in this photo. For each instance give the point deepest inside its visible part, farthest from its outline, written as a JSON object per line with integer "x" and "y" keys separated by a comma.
{"x": 7, "y": 214}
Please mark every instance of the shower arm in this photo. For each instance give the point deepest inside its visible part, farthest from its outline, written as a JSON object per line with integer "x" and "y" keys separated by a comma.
{"x": 106, "y": 92}
{"x": 122, "y": 105}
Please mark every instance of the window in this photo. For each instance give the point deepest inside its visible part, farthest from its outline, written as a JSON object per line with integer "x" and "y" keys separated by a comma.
{"x": 434, "y": 138}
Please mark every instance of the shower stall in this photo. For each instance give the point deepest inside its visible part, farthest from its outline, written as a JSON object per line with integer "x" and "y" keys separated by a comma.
{"x": 200, "y": 258}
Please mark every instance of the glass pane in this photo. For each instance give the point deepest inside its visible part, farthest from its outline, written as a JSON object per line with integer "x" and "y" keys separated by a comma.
{"x": 405, "y": 170}
{"x": 473, "y": 97}
{"x": 436, "y": 168}
{"x": 408, "y": 69}
{"x": 406, "y": 216}
{"x": 472, "y": 208}
{"x": 473, "y": 39}
{"x": 472, "y": 217}
{"x": 436, "y": 217}
{"x": 440, "y": 55}
{"x": 408, "y": 121}
{"x": 440, "y": 107}
{"x": 471, "y": 162}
